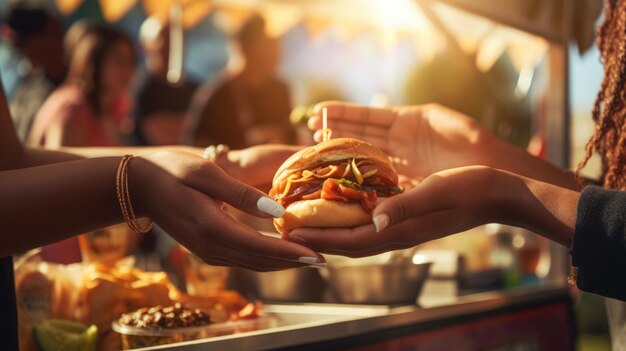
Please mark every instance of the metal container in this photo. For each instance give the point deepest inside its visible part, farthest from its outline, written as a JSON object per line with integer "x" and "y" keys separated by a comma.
{"x": 393, "y": 282}
{"x": 290, "y": 285}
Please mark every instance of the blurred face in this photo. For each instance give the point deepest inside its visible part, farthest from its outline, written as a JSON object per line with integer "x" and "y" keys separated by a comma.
{"x": 118, "y": 68}
{"x": 263, "y": 55}
{"x": 46, "y": 50}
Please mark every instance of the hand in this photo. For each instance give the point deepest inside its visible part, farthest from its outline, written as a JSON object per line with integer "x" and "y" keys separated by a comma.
{"x": 420, "y": 140}
{"x": 450, "y": 202}
{"x": 445, "y": 203}
{"x": 182, "y": 193}
{"x": 257, "y": 165}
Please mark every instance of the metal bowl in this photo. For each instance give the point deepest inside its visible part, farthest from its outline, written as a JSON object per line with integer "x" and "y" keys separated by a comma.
{"x": 290, "y": 285}
{"x": 393, "y": 282}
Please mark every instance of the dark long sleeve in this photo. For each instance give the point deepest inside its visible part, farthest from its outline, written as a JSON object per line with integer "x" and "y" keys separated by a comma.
{"x": 599, "y": 244}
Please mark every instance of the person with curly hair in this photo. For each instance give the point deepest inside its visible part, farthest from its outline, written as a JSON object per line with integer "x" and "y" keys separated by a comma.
{"x": 459, "y": 175}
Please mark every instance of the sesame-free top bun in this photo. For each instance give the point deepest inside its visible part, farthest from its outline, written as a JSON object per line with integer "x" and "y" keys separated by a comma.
{"x": 320, "y": 213}
{"x": 329, "y": 151}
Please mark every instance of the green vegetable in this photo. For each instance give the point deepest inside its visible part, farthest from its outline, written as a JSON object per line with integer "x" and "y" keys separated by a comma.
{"x": 348, "y": 183}
{"x": 63, "y": 335}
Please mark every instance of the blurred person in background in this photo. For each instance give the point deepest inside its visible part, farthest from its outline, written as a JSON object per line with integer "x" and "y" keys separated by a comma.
{"x": 161, "y": 105}
{"x": 250, "y": 107}
{"x": 38, "y": 36}
{"x": 92, "y": 106}
{"x": 73, "y": 36}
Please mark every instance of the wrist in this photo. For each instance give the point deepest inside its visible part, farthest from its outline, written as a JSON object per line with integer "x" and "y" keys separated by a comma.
{"x": 139, "y": 184}
{"x": 507, "y": 196}
{"x": 489, "y": 149}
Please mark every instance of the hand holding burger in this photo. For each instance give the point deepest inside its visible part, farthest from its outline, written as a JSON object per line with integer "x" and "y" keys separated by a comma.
{"x": 336, "y": 183}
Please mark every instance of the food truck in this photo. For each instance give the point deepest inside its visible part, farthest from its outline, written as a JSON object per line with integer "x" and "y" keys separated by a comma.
{"x": 492, "y": 288}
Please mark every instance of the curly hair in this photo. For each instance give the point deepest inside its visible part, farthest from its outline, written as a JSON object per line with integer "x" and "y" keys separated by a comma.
{"x": 609, "y": 111}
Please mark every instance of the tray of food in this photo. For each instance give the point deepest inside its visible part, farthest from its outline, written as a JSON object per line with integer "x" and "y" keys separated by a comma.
{"x": 160, "y": 325}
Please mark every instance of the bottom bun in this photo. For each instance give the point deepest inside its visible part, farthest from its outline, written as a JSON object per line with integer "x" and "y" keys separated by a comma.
{"x": 320, "y": 213}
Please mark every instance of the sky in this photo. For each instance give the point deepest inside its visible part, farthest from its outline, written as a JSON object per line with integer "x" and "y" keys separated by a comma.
{"x": 585, "y": 77}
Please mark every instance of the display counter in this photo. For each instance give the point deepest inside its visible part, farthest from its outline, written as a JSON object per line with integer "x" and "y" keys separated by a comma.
{"x": 534, "y": 318}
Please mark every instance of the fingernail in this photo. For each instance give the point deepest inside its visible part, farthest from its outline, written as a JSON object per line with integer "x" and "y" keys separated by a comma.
{"x": 269, "y": 206}
{"x": 312, "y": 262}
{"x": 318, "y": 265}
{"x": 381, "y": 222}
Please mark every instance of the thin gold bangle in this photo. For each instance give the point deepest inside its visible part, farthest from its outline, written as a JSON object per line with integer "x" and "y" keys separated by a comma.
{"x": 123, "y": 197}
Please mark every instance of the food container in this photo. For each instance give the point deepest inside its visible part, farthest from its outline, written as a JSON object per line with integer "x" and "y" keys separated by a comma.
{"x": 134, "y": 337}
{"x": 290, "y": 285}
{"x": 105, "y": 245}
{"x": 204, "y": 279}
{"x": 383, "y": 279}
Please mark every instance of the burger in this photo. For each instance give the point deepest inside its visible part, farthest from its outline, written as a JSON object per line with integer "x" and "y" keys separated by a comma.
{"x": 336, "y": 183}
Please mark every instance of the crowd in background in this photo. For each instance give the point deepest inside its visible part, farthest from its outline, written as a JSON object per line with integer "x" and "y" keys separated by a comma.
{"x": 80, "y": 87}
{"x": 83, "y": 87}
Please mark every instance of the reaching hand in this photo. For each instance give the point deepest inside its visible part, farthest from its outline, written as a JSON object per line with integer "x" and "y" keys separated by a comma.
{"x": 420, "y": 140}
{"x": 445, "y": 203}
{"x": 257, "y": 165}
{"x": 183, "y": 193}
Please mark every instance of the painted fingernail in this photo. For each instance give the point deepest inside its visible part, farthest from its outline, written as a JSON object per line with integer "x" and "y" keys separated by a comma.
{"x": 312, "y": 261}
{"x": 381, "y": 222}
{"x": 269, "y": 206}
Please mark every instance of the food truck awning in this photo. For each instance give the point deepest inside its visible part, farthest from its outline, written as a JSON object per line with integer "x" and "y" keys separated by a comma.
{"x": 556, "y": 20}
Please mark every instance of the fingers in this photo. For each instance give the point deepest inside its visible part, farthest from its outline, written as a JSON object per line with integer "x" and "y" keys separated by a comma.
{"x": 214, "y": 182}
{"x": 353, "y": 242}
{"x": 217, "y": 238}
{"x": 380, "y": 143}
{"x": 375, "y": 116}
{"x": 419, "y": 201}
{"x": 365, "y": 241}
{"x": 315, "y": 123}
{"x": 254, "y": 250}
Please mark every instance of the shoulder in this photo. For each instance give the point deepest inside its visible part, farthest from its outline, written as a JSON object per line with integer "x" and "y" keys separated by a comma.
{"x": 65, "y": 104}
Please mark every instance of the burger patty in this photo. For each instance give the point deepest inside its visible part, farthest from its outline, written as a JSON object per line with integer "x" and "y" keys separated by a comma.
{"x": 343, "y": 189}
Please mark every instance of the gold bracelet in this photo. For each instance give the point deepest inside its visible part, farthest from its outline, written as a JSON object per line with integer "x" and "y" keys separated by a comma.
{"x": 123, "y": 197}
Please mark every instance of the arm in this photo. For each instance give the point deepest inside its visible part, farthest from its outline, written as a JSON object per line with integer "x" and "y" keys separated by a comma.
{"x": 44, "y": 204}
{"x": 179, "y": 191}
{"x": 254, "y": 166}
{"x": 499, "y": 154}
{"x": 599, "y": 245}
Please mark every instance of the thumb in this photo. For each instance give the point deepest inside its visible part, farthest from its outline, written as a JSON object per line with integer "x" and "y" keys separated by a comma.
{"x": 410, "y": 204}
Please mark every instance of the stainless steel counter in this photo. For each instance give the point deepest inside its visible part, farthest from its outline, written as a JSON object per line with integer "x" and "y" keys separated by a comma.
{"x": 300, "y": 324}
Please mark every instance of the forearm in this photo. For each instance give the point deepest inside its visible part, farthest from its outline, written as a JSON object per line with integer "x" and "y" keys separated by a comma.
{"x": 544, "y": 208}
{"x": 501, "y": 155}
{"x": 44, "y": 204}
{"x": 91, "y": 152}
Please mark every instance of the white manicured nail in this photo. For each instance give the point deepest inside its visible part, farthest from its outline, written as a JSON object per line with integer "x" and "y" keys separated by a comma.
{"x": 312, "y": 262}
{"x": 381, "y": 222}
{"x": 269, "y": 206}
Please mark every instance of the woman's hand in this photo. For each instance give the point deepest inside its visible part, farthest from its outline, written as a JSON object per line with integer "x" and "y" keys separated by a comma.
{"x": 257, "y": 165}
{"x": 422, "y": 140}
{"x": 183, "y": 194}
{"x": 450, "y": 202}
